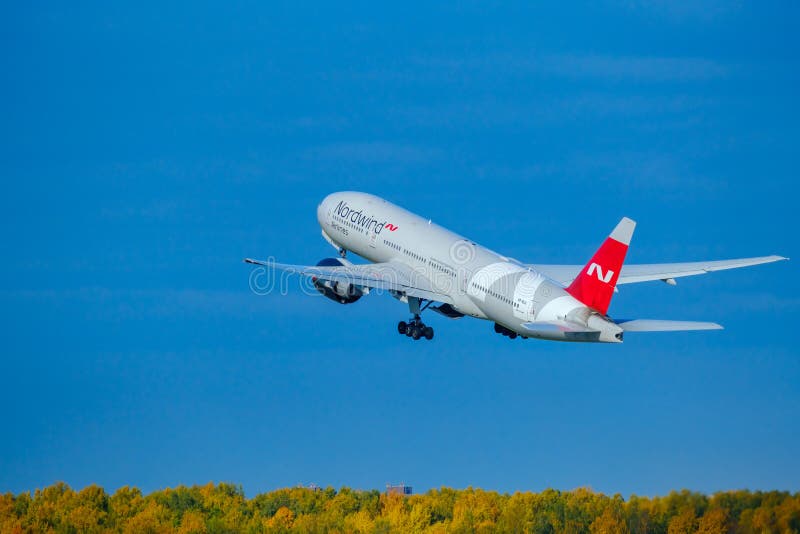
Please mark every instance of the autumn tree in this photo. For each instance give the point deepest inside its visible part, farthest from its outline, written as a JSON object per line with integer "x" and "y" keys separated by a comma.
{"x": 223, "y": 508}
{"x": 714, "y": 521}
{"x": 611, "y": 521}
{"x": 685, "y": 522}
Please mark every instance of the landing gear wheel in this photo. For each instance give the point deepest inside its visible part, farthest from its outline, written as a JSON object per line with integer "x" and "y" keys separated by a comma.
{"x": 428, "y": 333}
{"x": 415, "y": 328}
{"x": 513, "y": 335}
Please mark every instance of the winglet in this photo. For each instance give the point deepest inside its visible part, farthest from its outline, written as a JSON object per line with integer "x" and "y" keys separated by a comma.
{"x": 594, "y": 285}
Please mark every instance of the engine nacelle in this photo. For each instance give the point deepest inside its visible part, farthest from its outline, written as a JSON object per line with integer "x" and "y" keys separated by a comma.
{"x": 448, "y": 311}
{"x": 341, "y": 292}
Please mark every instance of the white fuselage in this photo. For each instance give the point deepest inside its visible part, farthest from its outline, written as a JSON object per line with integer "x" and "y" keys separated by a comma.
{"x": 478, "y": 281}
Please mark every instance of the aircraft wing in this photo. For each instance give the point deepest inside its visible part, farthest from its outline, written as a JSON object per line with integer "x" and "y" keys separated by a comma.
{"x": 647, "y": 272}
{"x": 389, "y": 276}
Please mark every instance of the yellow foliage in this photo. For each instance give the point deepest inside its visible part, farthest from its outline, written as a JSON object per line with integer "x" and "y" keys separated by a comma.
{"x": 609, "y": 522}
{"x": 126, "y": 502}
{"x": 683, "y": 523}
{"x": 192, "y": 522}
{"x": 788, "y": 513}
{"x": 306, "y": 523}
{"x": 393, "y": 510}
{"x": 438, "y": 528}
{"x": 85, "y": 519}
{"x": 714, "y": 521}
{"x": 152, "y": 519}
{"x": 224, "y": 508}
{"x": 476, "y": 509}
{"x": 6, "y": 506}
{"x": 359, "y": 523}
{"x": 282, "y": 521}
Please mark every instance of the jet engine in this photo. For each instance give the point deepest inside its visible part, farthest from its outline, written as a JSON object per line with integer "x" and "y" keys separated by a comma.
{"x": 448, "y": 311}
{"x": 341, "y": 292}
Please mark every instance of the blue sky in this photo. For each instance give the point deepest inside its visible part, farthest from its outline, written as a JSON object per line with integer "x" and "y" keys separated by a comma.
{"x": 146, "y": 150}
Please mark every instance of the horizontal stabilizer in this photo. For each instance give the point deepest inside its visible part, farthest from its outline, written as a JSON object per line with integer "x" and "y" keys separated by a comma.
{"x": 657, "y": 325}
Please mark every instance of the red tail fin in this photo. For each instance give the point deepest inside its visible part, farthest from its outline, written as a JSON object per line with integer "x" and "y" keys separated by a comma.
{"x": 594, "y": 286}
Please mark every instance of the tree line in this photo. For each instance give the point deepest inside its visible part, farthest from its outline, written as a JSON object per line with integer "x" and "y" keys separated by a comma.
{"x": 223, "y": 508}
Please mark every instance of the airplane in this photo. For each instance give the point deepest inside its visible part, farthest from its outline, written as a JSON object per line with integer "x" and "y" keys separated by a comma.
{"x": 429, "y": 267}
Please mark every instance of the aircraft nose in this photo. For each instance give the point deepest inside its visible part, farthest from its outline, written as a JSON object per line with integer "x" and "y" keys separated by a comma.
{"x": 322, "y": 210}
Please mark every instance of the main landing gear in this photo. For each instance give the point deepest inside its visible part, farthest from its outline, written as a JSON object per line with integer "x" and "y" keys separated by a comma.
{"x": 415, "y": 328}
{"x": 500, "y": 329}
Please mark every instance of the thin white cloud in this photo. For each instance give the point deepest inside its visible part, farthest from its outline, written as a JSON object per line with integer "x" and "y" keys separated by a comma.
{"x": 550, "y": 110}
{"x": 636, "y": 68}
{"x": 680, "y": 10}
{"x": 373, "y": 152}
{"x": 116, "y": 304}
{"x": 645, "y": 170}
{"x": 758, "y": 302}
{"x": 573, "y": 65}
{"x": 155, "y": 210}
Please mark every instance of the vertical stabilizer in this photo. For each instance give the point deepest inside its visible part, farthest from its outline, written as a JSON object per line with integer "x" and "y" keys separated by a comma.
{"x": 594, "y": 285}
